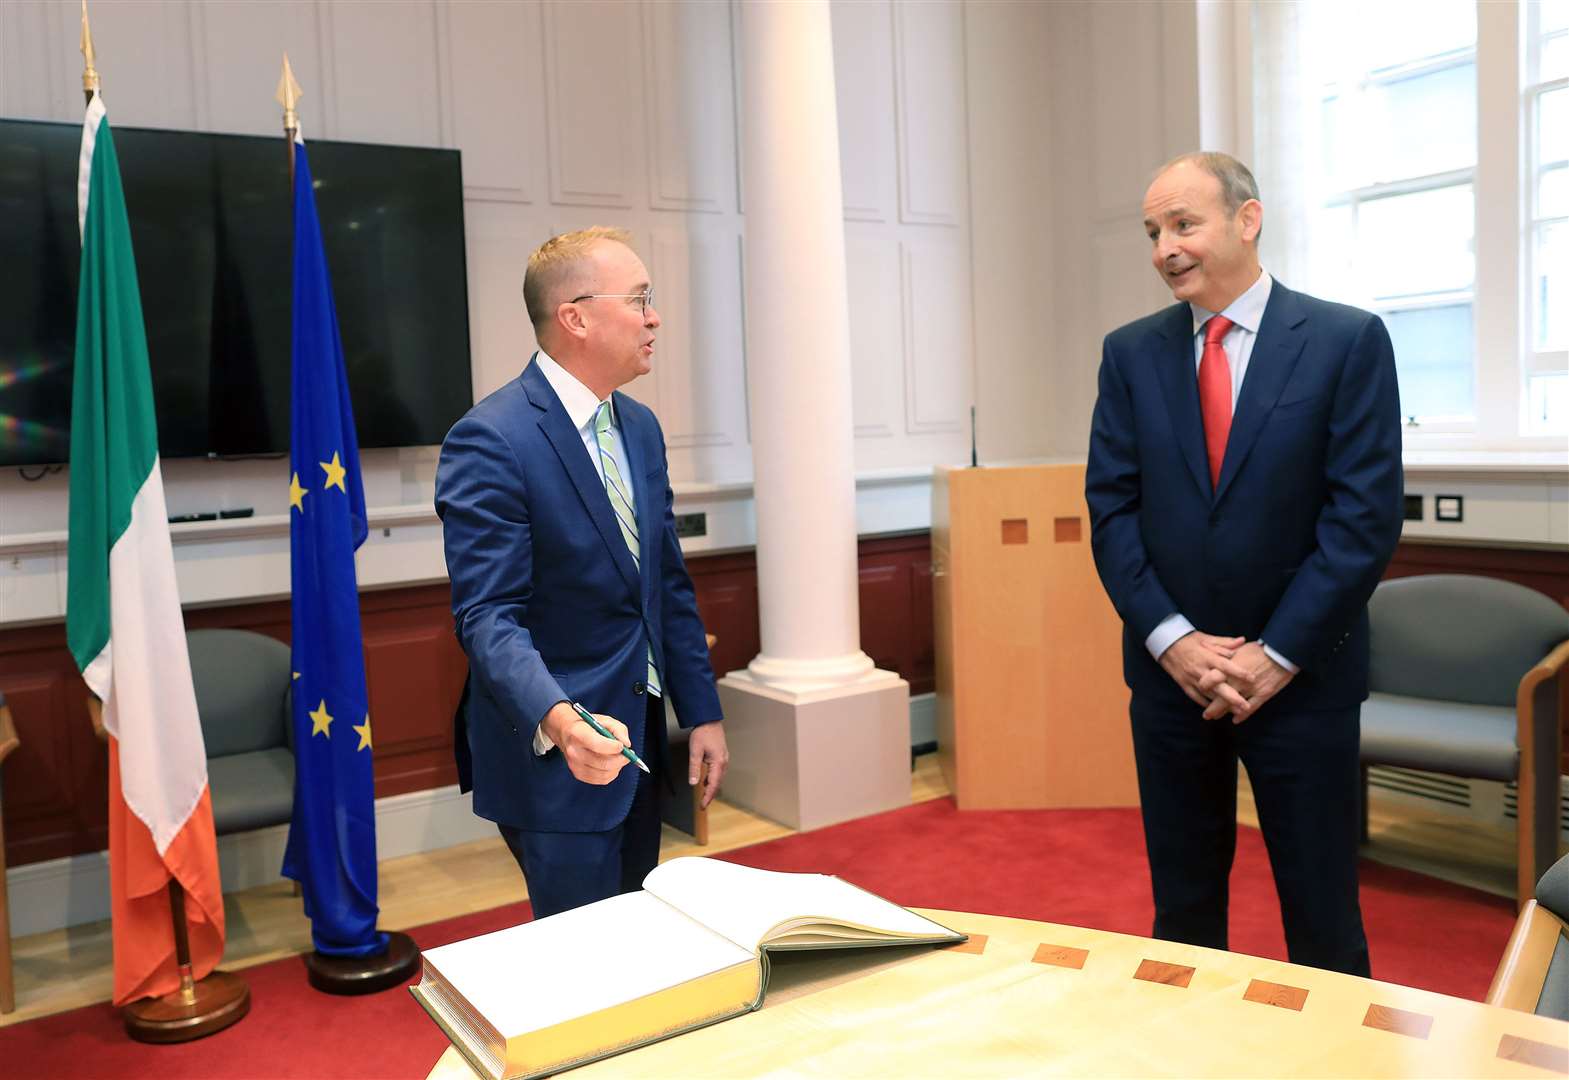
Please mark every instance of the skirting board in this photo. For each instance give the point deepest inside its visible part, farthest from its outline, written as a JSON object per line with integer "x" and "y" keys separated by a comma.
{"x": 73, "y": 890}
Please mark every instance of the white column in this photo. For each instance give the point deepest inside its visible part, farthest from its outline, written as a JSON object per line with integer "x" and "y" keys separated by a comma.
{"x": 817, "y": 733}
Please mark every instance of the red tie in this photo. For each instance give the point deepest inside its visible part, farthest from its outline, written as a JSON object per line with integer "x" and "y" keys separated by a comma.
{"x": 1215, "y": 394}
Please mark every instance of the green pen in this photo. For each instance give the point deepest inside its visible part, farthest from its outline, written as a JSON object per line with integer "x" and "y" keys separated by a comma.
{"x": 626, "y": 751}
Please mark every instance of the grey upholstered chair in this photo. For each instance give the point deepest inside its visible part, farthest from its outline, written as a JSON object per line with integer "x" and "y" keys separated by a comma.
{"x": 242, "y": 684}
{"x": 1533, "y": 975}
{"x": 8, "y": 742}
{"x": 1465, "y": 680}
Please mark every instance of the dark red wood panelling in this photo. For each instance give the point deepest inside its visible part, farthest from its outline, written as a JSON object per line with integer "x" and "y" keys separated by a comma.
{"x": 55, "y": 783}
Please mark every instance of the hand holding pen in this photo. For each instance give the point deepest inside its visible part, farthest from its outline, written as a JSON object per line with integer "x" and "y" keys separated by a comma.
{"x": 593, "y": 749}
{"x": 626, "y": 751}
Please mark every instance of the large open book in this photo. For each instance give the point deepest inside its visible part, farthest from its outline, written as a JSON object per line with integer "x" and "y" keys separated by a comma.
{"x": 690, "y": 949}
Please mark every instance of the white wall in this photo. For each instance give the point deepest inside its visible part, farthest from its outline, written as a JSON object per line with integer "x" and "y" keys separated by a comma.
{"x": 568, "y": 114}
{"x": 994, "y": 157}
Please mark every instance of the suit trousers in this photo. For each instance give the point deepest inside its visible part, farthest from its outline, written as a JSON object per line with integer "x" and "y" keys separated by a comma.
{"x": 1304, "y": 770}
{"x": 564, "y": 870}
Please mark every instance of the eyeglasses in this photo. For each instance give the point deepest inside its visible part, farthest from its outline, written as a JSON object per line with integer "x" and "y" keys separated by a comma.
{"x": 644, "y": 298}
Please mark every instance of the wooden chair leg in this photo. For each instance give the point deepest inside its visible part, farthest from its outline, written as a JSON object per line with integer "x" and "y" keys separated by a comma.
{"x": 7, "y": 985}
{"x": 8, "y": 743}
{"x": 1537, "y": 793}
{"x": 699, "y": 811}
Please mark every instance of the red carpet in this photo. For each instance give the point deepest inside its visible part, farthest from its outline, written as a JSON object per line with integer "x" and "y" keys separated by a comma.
{"x": 1072, "y": 866}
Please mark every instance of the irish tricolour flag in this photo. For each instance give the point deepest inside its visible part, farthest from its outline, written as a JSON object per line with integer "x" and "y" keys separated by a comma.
{"x": 123, "y": 617}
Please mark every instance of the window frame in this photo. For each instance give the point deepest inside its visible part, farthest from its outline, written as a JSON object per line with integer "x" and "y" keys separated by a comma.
{"x": 1537, "y": 361}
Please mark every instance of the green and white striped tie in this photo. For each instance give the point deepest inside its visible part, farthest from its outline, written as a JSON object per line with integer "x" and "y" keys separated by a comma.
{"x": 620, "y": 502}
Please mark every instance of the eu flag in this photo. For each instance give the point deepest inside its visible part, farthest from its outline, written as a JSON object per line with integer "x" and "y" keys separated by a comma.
{"x": 332, "y": 837}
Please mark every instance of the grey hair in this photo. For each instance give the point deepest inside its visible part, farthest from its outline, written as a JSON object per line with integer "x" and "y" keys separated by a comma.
{"x": 1237, "y": 185}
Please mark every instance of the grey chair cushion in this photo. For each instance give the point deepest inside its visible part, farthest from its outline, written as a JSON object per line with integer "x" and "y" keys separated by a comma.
{"x": 1456, "y": 637}
{"x": 1554, "y": 1001}
{"x": 251, "y": 790}
{"x": 1440, "y": 736}
{"x": 242, "y": 684}
{"x": 1552, "y": 890}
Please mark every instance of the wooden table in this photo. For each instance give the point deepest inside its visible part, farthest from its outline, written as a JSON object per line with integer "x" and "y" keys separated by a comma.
{"x": 1029, "y": 998}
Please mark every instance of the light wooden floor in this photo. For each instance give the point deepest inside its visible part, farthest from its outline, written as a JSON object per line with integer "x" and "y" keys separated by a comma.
{"x": 64, "y": 969}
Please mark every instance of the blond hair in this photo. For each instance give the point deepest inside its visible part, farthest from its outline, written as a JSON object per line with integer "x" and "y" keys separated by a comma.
{"x": 554, "y": 265}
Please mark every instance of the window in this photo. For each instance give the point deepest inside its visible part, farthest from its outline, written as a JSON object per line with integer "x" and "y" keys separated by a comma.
{"x": 1400, "y": 149}
{"x": 1415, "y": 162}
{"x": 1547, "y": 237}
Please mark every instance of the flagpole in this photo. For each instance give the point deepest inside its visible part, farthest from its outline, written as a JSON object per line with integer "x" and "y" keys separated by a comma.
{"x": 398, "y": 961}
{"x": 197, "y": 1007}
{"x": 89, "y": 70}
{"x": 288, "y": 96}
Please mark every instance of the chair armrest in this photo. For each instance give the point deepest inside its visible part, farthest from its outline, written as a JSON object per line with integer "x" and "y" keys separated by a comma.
{"x": 1517, "y": 984}
{"x": 8, "y": 737}
{"x": 1548, "y": 667}
{"x": 1532, "y": 692}
{"x": 1537, "y": 704}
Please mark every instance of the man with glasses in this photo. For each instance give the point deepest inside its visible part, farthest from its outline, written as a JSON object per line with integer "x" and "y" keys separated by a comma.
{"x": 568, "y": 587}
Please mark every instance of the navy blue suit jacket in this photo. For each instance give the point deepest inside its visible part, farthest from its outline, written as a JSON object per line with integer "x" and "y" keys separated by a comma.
{"x": 1290, "y": 543}
{"x": 549, "y": 605}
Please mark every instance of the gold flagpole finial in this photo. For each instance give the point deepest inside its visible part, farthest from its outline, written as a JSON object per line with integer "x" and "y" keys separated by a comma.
{"x": 90, "y": 72}
{"x": 289, "y": 94}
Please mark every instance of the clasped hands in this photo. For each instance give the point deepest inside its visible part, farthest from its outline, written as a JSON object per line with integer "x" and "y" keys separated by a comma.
{"x": 1225, "y": 675}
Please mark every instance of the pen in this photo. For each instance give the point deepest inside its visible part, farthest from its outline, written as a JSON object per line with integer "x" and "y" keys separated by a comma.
{"x": 626, "y": 751}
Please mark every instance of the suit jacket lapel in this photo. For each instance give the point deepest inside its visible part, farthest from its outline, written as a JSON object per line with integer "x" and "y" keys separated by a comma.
{"x": 568, "y": 444}
{"x": 1281, "y": 336}
{"x": 649, "y": 505}
{"x": 1179, "y": 382}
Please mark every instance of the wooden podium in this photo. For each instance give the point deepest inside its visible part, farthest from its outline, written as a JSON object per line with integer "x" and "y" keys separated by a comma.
{"x": 1032, "y": 710}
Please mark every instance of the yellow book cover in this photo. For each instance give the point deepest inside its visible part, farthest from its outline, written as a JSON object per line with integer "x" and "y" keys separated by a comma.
{"x": 690, "y": 949}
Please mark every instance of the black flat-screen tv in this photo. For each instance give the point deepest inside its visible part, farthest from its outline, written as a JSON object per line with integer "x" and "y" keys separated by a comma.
{"x": 211, "y": 222}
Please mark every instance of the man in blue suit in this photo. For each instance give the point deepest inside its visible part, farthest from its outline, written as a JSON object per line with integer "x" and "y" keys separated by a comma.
{"x": 1244, "y": 486}
{"x": 568, "y": 585}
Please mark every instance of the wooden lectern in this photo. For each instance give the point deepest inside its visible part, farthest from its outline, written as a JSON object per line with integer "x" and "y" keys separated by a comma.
{"x": 1032, "y": 710}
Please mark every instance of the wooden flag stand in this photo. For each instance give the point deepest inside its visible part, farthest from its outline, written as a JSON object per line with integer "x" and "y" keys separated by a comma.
{"x": 364, "y": 974}
{"x": 198, "y": 1007}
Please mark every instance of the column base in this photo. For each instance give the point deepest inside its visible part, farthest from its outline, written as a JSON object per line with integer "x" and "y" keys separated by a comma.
{"x": 809, "y": 759}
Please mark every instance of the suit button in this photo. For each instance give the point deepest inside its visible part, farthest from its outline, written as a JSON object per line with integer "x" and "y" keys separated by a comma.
{"x": 637, "y": 688}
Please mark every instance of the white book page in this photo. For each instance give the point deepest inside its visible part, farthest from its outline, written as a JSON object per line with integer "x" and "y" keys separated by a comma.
{"x": 541, "y": 973}
{"x": 744, "y": 904}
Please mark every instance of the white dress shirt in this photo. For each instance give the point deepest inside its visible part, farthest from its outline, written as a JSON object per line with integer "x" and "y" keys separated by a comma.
{"x": 581, "y": 404}
{"x": 1246, "y": 312}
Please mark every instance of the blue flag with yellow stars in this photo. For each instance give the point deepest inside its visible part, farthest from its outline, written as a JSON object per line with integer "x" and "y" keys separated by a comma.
{"x": 332, "y": 837}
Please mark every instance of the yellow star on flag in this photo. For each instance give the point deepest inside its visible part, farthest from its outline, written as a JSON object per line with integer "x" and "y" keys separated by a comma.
{"x": 335, "y": 472}
{"x": 320, "y": 720}
{"x": 364, "y": 730}
{"x": 296, "y": 493}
